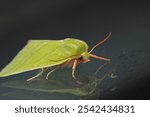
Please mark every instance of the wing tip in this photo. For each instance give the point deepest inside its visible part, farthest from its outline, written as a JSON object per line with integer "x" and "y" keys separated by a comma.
{"x": 1, "y": 74}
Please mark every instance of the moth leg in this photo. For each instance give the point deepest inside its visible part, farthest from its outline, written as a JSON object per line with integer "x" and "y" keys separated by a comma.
{"x": 52, "y": 71}
{"x": 34, "y": 77}
{"x": 45, "y": 68}
{"x": 74, "y": 67}
{"x": 98, "y": 57}
{"x": 56, "y": 68}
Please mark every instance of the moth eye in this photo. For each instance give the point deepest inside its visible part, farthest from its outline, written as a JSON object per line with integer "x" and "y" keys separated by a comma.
{"x": 81, "y": 58}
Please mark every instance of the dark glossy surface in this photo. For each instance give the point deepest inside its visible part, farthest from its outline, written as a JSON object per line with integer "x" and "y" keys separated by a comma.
{"x": 128, "y": 48}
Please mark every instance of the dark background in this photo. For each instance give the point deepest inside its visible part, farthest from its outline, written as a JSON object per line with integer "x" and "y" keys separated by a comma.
{"x": 129, "y": 22}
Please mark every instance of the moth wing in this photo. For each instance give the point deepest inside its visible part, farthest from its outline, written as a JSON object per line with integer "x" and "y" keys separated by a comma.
{"x": 36, "y": 54}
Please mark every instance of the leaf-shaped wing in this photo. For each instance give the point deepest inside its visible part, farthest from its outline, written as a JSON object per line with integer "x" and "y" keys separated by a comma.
{"x": 36, "y": 54}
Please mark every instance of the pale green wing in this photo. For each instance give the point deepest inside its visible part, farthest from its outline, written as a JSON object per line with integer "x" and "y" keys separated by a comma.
{"x": 36, "y": 54}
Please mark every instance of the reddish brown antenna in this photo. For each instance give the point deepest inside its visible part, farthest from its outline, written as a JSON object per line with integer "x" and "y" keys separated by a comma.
{"x": 100, "y": 42}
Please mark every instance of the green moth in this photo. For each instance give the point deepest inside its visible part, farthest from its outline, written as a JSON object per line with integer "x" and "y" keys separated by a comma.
{"x": 42, "y": 54}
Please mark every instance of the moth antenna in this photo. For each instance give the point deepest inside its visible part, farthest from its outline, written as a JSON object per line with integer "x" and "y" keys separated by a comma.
{"x": 100, "y": 42}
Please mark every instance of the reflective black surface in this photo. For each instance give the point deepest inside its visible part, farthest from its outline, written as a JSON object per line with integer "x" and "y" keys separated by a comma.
{"x": 128, "y": 47}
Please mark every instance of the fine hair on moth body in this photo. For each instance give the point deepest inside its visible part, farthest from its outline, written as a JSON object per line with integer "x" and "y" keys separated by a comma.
{"x": 78, "y": 60}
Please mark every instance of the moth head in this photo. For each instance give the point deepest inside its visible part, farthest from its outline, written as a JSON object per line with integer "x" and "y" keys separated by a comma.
{"x": 84, "y": 57}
